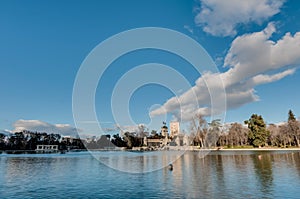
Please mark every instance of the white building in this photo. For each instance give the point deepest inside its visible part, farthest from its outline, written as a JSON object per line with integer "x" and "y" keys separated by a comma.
{"x": 46, "y": 148}
{"x": 174, "y": 129}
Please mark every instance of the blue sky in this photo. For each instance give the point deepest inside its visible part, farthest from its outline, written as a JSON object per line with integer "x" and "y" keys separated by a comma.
{"x": 43, "y": 44}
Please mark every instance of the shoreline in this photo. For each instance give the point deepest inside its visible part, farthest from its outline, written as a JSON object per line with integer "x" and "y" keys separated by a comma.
{"x": 259, "y": 149}
{"x": 192, "y": 149}
{"x": 245, "y": 149}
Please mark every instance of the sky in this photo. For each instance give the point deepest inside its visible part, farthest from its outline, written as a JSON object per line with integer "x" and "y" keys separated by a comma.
{"x": 254, "y": 44}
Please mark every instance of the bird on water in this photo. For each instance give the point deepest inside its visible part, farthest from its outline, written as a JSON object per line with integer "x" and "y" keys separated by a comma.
{"x": 170, "y": 167}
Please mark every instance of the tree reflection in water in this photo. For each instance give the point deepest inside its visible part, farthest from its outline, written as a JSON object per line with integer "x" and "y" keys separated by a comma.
{"x": 262, "y": 163}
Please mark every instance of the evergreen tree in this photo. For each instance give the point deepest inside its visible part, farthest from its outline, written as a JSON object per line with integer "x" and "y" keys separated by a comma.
{"x": 293, "y": 129}
{"x": 258, "y": 132}
{"x": 291, "y": 116}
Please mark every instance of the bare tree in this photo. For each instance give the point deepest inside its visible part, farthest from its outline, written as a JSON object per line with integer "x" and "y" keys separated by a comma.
{"x": 274, "y": 138}
{"x": 199, "y": 128}
{"x": 284, "y": 135}
{"x": 237, "y": 135}
{"x": 214, "y": 132}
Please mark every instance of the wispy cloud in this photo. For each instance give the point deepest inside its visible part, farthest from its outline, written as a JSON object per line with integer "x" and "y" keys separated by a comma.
{"x": 40, "y": 126}
{"x": 95, "y": 122}
{"x": 5, "y": 132}
{"x": 221, "y": 18}
{"x": 251, "y": 58}
{"x": 189, "y": 28}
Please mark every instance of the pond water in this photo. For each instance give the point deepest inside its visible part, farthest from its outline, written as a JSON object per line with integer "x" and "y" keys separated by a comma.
{"x": 216, "y": 175}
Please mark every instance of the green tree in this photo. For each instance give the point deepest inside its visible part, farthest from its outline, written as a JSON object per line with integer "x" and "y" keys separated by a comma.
{"x": 258, "y": 132}
{"x": 118, "y": 141}
{"x": 291, "y": 116}
{"x": 293, "y": 129}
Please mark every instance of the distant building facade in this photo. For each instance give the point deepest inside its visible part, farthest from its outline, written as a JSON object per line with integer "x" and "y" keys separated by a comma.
{"x": 174, "y": 129}
{"x": 150, "y": 142}
{"x": 46, "y": 148}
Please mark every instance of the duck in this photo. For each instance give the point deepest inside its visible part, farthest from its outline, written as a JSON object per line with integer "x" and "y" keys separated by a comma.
{"x": 170, "y": 167}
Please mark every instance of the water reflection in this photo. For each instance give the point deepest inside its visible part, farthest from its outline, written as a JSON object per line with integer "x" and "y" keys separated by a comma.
{"x": 217, "y": 175}
{"x": 138, "y": 162}
{"x": 235, "y": 175}
{"x": 295, "y": 161}
{"x": 263, "y": 170}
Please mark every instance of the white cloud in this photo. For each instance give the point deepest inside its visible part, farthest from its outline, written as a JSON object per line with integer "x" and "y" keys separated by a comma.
{"x": 40, "y": 126}
{"x": 188, "y": 28}
{"x": 251, "y": 58}
{"x": 263, "y": 79}
{"x": 255, "y": 53}
{"x": 131, "y": 128}
{"x": 221, "y": 18}
{"x": 5, "y": 132}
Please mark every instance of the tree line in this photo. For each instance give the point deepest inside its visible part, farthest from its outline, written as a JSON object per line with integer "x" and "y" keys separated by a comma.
{"x": 27, "y": 140}
{"x": 254, "y": 133}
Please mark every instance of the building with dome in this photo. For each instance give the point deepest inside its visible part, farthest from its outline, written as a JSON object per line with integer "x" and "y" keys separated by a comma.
{"x": 164, "y": 130}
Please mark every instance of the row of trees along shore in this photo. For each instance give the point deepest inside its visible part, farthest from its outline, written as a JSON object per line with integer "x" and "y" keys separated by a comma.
{"x": 28, "y": 140}
{"x": 254, "y": 133}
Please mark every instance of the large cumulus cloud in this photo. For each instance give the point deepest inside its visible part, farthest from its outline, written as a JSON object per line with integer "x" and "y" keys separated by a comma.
{"x": 253, "y": 59}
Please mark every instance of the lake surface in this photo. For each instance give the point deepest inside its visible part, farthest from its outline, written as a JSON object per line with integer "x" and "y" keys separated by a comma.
{"x": 216, "y": 175}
